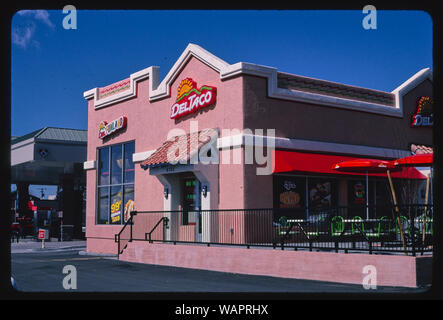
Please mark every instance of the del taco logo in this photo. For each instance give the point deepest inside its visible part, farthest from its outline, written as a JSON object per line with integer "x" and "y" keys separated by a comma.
{"x": 190, "y": 98}
{"x": 105, "y": 129}
{"x": 424, "y": 117}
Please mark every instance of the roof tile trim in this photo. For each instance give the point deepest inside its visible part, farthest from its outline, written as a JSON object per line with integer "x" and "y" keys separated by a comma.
{"x": 169, "y": 151}
{"x": 294, "y": 82}
{"x": 421, "y": 149}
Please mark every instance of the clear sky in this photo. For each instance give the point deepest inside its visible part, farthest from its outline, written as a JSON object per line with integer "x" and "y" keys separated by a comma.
{"x": 51, "y": 67}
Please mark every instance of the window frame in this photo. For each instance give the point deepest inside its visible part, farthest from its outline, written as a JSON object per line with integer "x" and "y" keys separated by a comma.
{"x": 109, "y": 186}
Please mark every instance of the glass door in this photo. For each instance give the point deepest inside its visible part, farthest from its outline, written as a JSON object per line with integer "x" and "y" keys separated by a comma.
{"x": 192, "y": 205}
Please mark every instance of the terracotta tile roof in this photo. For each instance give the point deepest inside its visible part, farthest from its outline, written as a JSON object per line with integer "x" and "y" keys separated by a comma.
{"x": 169, "y": 152}
{"x": 294, "y": 82}
{"x": 421, "y": 149}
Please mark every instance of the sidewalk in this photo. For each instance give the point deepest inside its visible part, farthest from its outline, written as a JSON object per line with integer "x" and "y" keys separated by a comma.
{"x": 31, "y": 245}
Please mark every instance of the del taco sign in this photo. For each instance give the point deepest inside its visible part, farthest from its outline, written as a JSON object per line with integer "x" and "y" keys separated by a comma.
{"x": 190, "y": 98}
{"x": 105, "y": 129}
{"x": 424, "y": 116}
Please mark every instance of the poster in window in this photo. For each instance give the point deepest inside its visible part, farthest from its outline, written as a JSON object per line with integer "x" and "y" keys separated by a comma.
{"x": 290, "y": 192}
{"x": 320, "y": 194}
{"x": 116, "y": 205}
{"x": 129, "y": 202}
{"x": 358, "y": 193}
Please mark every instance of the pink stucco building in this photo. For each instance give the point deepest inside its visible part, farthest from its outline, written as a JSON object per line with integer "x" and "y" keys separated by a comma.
{"x": 245, "y": 136}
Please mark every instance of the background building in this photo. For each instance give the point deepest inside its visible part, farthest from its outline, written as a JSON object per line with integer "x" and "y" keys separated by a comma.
{"x": 51, "y": 156}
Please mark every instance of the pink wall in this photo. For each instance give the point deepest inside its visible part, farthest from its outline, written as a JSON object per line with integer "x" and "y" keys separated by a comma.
{"x": 148, "y": 124}
{"x": 392, "y": 270}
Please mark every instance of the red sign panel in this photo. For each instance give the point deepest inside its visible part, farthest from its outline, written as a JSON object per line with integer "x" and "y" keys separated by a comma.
{"x": 190, "y": 98}
{"x": 41, "y": 234}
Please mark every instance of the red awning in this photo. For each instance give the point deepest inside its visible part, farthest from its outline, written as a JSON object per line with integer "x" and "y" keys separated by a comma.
{"x": 291, "y": 161}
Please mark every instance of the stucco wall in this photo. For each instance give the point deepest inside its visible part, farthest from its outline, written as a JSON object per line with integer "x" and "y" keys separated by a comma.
{"x": 321, "y": 123}
{"x": 148, "y": 124}
{"x": 391, "y": 270}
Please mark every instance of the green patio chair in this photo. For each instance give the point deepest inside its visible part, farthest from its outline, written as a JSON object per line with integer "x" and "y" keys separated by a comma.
{"x": 404, "y": 222}
{"x": 429, "y": 226}
{"x": 313, "y": 233}
{"x": 358, "y": 222}
{"x": 375, "y": 232}
{"x": 337, "y": 226}
{"x": 385, "y": 226}
{"x": 282, "y": 224}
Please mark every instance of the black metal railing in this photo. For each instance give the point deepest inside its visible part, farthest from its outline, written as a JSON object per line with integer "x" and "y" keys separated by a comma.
{"x": 126, "y": 234}
{"x": 148, "y": 235}
{"x": 382, "y": 229}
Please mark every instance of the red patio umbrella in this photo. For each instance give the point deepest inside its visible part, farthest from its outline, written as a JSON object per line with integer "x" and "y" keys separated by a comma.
{"x": 417, "y": 160}
{"x": 372, "y": 166}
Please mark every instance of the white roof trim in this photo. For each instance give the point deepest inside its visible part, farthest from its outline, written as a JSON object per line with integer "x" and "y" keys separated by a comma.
{"x": 159, "y": 90}
{"x": 243, "y": 139}
{"x": 410, "y": 84}
{"x": 141, "y": 156}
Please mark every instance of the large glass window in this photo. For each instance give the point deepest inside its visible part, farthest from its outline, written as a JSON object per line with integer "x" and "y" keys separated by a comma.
{"x": 115, "y": 185}
{"x": 103, "y": 166}
{"x": 103, "y": 205}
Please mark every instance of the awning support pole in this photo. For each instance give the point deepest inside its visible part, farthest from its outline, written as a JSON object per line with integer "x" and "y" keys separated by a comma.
{"x": 428, "y": 178}
{"x": 367, "y": 196}
{"x": 400, "y": 226}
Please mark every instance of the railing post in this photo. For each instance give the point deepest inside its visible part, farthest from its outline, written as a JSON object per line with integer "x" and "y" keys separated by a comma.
{"x": 165, "y": 226}
{"x": 412, "y": 234}
{"x": 118, "y": 245}
{"x": 133, "y": 213}
{"x": 370, "y": 246}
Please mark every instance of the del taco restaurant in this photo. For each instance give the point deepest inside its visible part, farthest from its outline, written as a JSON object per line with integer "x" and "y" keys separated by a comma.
{"x": 214, "y": 135}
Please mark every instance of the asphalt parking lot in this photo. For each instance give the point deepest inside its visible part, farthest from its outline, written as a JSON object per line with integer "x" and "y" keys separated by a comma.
{"x": 41, "y": 270}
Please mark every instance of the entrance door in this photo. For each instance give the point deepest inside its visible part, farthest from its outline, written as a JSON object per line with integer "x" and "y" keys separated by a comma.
{"x": 192, "y": 205}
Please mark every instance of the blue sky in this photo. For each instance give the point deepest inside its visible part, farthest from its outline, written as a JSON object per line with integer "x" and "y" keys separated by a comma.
{"x": 51, "y": 67}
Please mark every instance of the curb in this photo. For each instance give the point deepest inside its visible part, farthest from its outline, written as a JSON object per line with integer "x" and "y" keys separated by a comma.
{"x": 97, "y": 254}
{"x": 45, "y": 250}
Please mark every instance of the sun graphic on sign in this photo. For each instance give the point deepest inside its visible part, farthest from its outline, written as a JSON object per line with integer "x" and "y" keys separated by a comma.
{"x": 185, "y": 86}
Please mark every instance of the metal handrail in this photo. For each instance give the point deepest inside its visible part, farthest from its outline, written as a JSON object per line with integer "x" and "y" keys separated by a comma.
{"x": 165, "y": 224}
{"x": 117, "y": 236}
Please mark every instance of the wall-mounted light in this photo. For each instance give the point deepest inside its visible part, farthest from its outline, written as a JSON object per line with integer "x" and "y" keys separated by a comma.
{"x": 205, "y": 191}
{"x": 166, "y": 192}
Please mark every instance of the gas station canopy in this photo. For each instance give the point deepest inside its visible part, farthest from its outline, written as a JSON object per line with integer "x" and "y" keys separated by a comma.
{"x": 42, "y": 156}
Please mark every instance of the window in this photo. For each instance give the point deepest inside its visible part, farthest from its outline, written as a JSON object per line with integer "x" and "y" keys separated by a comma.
{"x": 115, "y": 183}
{"x": 289, "y": 197}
